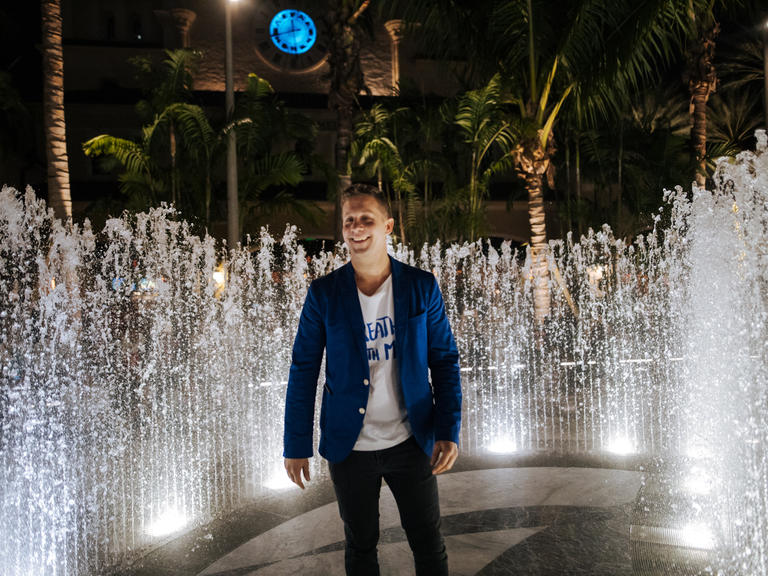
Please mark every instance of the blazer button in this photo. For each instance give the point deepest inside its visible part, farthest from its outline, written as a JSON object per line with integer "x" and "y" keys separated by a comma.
{"x": 362, "y": 410}
{"x": 365, "y": 381}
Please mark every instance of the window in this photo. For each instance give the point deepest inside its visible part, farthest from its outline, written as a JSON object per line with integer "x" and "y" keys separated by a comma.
{"x": 137, "y": 28}
{"x": 109, "y": 21}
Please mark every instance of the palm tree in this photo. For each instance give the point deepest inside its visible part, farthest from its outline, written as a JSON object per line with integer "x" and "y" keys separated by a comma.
{"x": 373, "y": 141}
{"x": 546, "y": 51}
{"x": 734, "y": 117}
{"x": 197, "y": 149}
{"x": 345, "y": 28}
{"x": 261, "y": 121}
{"x": 701, "y": 74}
{"x": 701, "y": 77}
{"x": 59, "y": 197}
{"x": 148, "y": 178}
{"x": 169, "y": 85}
{"x": 744, "y": 63}
{"x": 429, "y": 162}
{"x": 401, "y": 146}
{"x": 378, "y": 149}
{"x": 489, "y": 138}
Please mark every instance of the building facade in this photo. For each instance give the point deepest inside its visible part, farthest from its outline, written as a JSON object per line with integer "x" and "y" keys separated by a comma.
{"x": 100, "y": 37}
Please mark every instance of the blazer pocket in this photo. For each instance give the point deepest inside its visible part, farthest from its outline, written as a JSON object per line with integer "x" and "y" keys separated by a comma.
{"x": 418, "y": 317}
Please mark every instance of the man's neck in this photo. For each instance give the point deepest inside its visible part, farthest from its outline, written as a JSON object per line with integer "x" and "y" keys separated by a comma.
{"x": 369, "y": 275}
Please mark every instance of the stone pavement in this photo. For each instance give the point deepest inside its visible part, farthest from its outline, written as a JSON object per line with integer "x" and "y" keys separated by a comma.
{"x": 540, "y": 516}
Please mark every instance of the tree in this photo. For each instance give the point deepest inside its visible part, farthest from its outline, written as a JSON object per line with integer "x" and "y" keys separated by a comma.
{"x": 378, "y": 148}
{"x": 700, "y": 74}
{"x": 401, "y": 145}
{"x": 545, "y": 52}
{"x": 54, "y": 121}
{"x": 701, "y": 77}
{"x": 489, "y": 138}
{"x": 262, "y": 123}
{"x": 345, "y": 28}
{"x": 152, "y": 166}
{"x": 171, "y": 84}
{"x": 157, "y": 165}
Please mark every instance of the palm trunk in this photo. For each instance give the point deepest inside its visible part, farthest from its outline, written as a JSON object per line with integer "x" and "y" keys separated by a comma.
{"x": 173, "y": 164}
{"x": 343, "y": 140}
{"x": 702, "y": 81}
{"x": 208, "y": 196}
{"x": 400, "y": 217}
{"x": 620, "y": 175}
{"x": 699, "y": 98}
{"x": 59, "y": 197}
{"x": 532, "y": 163}
{"x": 539, "y": 247}
{"x": 346, "y": 83}
{"x": 427, "y": 185}
{"x": 473, "y": 199}
{"x": 567, "y": 186}
{"x": 578, "y": 185}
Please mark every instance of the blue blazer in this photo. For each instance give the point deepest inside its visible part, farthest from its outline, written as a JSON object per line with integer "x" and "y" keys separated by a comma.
{"x": 332, "y": 321}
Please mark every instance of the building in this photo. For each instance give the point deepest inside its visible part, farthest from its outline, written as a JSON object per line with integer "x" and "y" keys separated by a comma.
{"x": 100, "y": 36}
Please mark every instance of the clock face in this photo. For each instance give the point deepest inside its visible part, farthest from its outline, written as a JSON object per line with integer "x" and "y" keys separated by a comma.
{"x": 292, "y": 31}
{"x": 286, "y": 36}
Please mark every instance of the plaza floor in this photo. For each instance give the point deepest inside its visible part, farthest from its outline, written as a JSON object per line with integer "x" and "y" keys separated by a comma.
{"x": 534, "y": 518}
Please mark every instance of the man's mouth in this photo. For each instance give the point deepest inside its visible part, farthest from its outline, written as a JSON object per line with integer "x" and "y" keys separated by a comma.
{"x": 359, "y": 240}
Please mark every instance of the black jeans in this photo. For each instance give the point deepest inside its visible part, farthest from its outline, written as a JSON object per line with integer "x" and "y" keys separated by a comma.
{"x": 357, "y": 481}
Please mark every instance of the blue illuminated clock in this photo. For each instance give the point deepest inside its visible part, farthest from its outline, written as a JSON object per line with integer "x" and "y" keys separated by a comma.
{"x": 286, "y": 36}
{"x": 293, "y": 31}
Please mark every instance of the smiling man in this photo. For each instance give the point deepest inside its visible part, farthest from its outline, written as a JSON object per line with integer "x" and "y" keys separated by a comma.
{"x": 383, "y": 328}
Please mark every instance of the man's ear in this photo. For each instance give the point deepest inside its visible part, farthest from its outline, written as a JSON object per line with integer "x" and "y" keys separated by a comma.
{"x": 390, "y": 225}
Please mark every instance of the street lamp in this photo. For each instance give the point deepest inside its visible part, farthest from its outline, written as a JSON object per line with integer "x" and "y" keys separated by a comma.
{"x": 233, "y": 212}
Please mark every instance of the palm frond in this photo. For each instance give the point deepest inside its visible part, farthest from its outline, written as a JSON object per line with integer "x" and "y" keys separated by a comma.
{"x": 273, "y": 170}
{"x": 194, "y": 128}
{"x": 141, "y": 188}
{"x": 732, "y": 120}
{"x": 130, "y": 154}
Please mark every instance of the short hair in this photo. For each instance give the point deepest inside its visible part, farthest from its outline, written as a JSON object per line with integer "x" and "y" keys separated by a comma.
{"x": 360, "y": 189}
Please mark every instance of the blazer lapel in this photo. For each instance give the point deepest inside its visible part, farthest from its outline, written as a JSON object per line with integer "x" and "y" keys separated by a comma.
{"x": 401, "y": 304}
{"x": 350, "y": 303}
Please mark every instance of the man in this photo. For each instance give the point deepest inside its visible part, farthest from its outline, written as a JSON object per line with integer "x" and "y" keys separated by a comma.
{"x": 383, "y": 327}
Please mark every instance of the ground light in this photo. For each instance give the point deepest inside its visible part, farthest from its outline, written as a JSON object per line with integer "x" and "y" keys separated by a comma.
{"x": 698, "y": 536}
{"x": 170, "y": 521}
{"x": 278, "y": 480}
{"x": 621, "y": 445}
{"x": 503, "y": 445}
{"x": 219, "y": 277}
{"x": 698, "y": 449}
{"x": 698, "y": 481}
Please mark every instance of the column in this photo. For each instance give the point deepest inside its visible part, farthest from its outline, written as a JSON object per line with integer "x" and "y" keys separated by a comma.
{"x": 394, "y": 28}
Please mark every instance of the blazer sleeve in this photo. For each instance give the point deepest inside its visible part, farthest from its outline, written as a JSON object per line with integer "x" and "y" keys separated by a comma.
{"x": 306, "y": 359}
{"x": 443, "y": 360}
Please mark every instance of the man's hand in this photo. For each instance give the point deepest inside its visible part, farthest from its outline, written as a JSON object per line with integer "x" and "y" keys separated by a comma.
{"x": 444, "y": 456}
{"x": 294, "y": 467}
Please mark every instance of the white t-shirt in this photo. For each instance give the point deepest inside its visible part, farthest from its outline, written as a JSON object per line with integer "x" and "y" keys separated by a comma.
{"x": 385, "y": 423}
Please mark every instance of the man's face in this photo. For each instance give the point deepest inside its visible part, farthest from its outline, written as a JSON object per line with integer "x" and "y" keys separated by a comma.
{"x": 365, "y": 226}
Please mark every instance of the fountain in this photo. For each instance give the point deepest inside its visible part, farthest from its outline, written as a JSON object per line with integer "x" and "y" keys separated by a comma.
{"x": 144, "y": 368}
